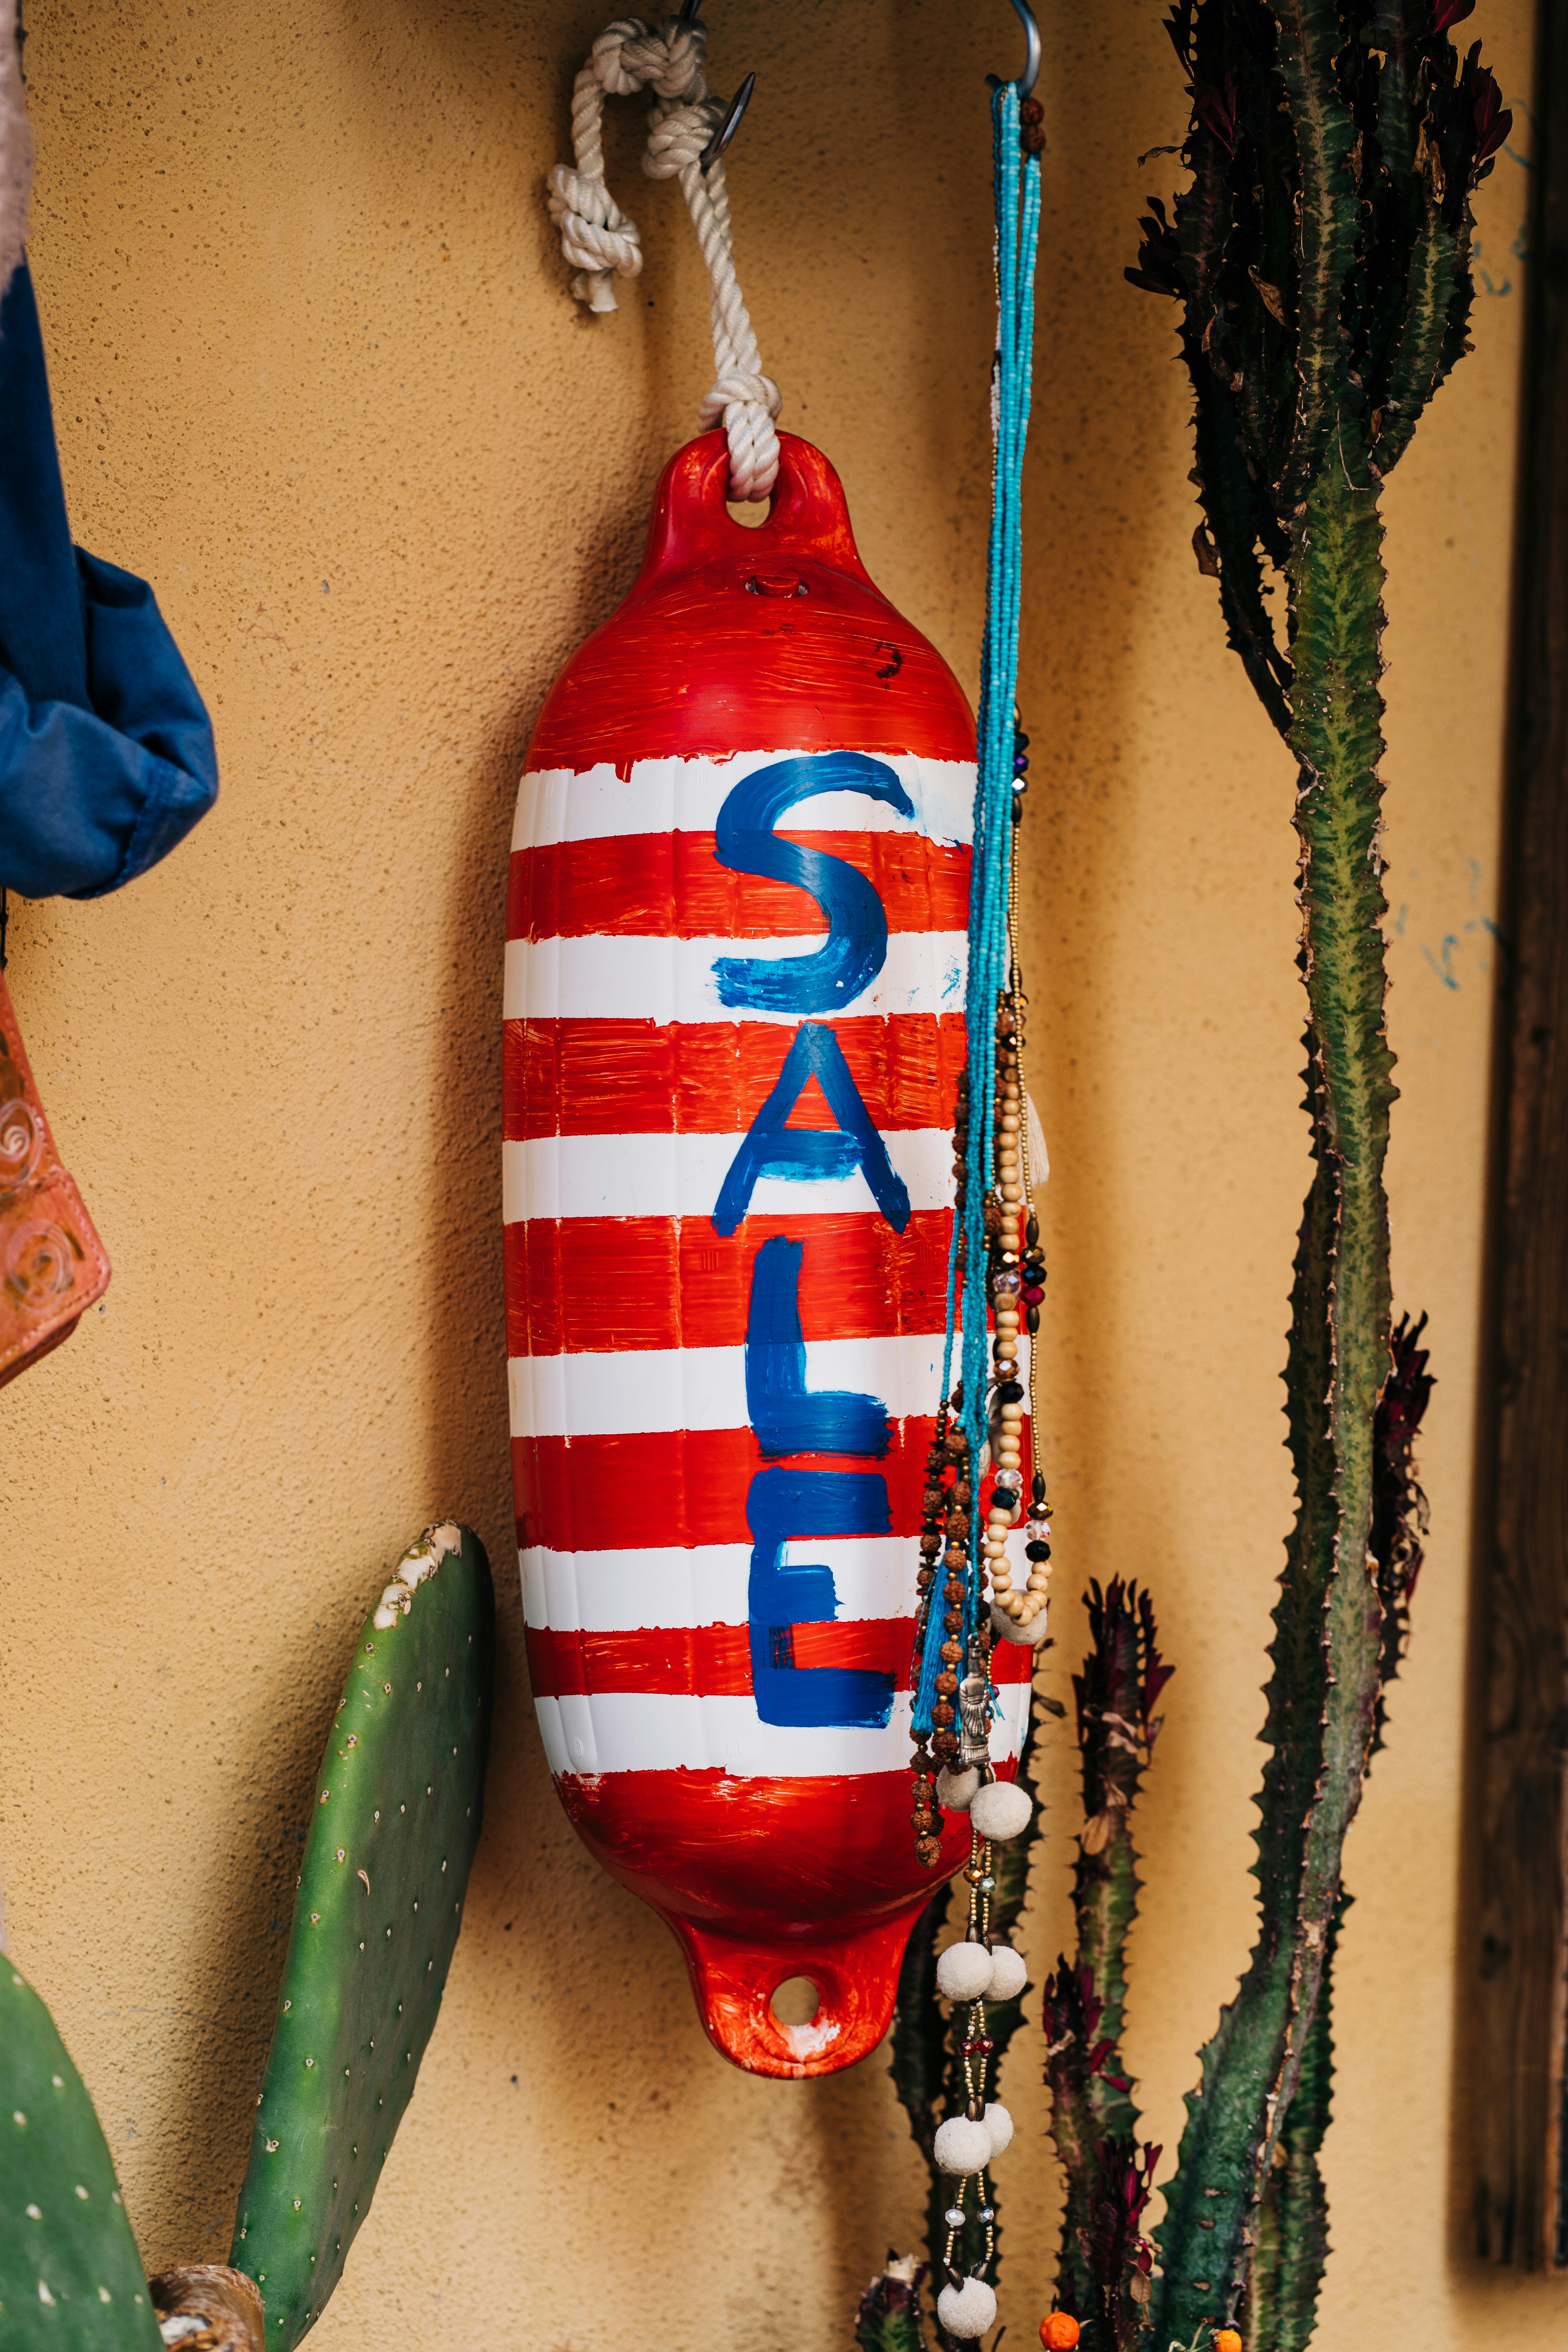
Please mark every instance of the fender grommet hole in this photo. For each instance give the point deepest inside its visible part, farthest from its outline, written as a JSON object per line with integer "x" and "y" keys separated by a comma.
{"x": 796, "y": 2002}
{"x": 776, "y": 583}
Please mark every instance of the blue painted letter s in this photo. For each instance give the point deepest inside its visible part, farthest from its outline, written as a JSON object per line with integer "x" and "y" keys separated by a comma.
{"x": 856, "y": 946}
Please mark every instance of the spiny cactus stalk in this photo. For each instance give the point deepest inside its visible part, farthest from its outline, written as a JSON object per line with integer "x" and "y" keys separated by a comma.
{"x": 393, "y": 1834}
{"x": 70, "y": 2277}
{"x": 1321, "y": 259}
{"x": 1291, "y": 2243}
{"x": 927, "y": 2059}
{"x": 1104, "y": 2263}
{"x": 1292, "y": 2239}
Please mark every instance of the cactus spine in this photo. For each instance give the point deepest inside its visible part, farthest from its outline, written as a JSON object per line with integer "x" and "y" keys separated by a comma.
{"x": 392, "y": 1833}
{"x": 70, "y": 2277}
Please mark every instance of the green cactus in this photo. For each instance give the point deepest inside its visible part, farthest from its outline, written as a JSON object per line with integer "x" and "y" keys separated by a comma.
{"x": 393, "y": 1834}
{"x": 1321, "y": 259}
{"x": 1292, "y": 2228}
{"x": 70, "y": 2277}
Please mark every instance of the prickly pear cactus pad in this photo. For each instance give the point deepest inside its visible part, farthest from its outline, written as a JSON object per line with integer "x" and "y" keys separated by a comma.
{"x": 70, "y": 2277}
{"x": 392, "y": 1831}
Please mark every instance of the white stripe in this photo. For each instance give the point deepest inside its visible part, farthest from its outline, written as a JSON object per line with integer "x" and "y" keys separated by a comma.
{"x": 624, "y": 1731}
{"x": 681, "y": 1175}
{"x": 636, "y": 1389}
{"x": 706, "y": 1584}
{"x": 672, "y": 1588}
{"x": 610, "y": 978}
{"x": 556, "y": 804}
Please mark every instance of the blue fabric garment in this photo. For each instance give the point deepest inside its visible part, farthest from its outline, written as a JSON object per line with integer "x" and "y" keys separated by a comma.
{"x": 106, "y": 749}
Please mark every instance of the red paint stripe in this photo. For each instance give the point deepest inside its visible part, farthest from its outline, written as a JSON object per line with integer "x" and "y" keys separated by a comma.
{"x": 756, "y": 1856}
{"x": 711, "y": 1077}
{"x": 715, "y": 1661}
{"x": 671, "y": 886}
{"x": 707, "y": 1661}
{"x": 677, "y": 1487}
{"x": 584, "y": 1285}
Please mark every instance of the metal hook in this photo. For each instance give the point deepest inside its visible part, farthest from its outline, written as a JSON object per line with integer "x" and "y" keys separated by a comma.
{"x": 738, "y": 104}
{"x": 731, "y": 124}
{"x": 1031, "y": 72}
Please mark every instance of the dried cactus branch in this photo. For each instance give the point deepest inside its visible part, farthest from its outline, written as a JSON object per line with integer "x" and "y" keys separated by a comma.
{"x": 888, "y": 2319}
{"x": 1104, "y": 2260}
{"x": 1117, "y": 1693}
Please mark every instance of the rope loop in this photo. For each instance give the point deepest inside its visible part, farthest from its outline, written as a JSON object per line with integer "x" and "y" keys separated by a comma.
{"x": 601, "y": 243}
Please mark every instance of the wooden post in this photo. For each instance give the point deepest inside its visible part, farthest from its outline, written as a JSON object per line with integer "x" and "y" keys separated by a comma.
{"x": 1521, "y": 2187}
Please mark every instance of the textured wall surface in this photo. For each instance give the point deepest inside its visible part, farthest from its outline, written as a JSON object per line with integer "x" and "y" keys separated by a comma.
{"x": 317, "y": 376}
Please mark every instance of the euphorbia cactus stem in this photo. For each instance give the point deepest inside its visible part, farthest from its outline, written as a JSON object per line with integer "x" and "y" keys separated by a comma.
{"x": 1291, "y": 2233}
{"x": 1321, "y": 259}
{"x": 1322, "y": 1709}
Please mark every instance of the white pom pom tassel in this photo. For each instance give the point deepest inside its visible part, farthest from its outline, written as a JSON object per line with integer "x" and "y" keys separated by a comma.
{"x": 1009, "y": 1974}
{"x": 1002, "y": 1810}
{"x": 999, "y": 2124}
{"x": 955, "y": 1791}
{"x": 964, "y": 1972}
{"x": 967, "y": 2310}
{"x": 961, "y": 2147}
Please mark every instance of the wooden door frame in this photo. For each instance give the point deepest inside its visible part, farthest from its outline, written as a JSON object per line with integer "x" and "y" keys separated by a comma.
{"x": 1521, "y": 2081}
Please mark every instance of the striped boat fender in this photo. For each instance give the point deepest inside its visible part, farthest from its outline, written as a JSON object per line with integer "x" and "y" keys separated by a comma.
{"x": 734, "y": 1024}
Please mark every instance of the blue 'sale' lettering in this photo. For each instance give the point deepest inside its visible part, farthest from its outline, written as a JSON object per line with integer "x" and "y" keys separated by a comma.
{"x": 785, "y": 1503}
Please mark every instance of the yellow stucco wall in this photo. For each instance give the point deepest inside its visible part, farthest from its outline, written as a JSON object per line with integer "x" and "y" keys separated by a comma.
{"x": 317, "y": 376}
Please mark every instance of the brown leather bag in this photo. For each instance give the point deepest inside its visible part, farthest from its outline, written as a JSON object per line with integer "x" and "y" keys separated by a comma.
{"x": 52, "y": 1264}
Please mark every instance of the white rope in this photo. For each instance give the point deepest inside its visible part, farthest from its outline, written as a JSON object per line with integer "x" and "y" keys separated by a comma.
{"x": 601, "y": 243}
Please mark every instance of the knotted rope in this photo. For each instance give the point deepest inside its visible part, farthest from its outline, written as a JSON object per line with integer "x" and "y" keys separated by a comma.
{"x": 601, "y": 244}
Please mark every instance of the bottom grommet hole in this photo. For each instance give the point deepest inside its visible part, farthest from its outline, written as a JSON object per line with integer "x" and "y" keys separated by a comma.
{"x": 796, "y": 2002}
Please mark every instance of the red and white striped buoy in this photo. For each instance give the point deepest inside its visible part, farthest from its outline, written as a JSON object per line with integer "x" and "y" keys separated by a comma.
{"x": 734, "y": 1023}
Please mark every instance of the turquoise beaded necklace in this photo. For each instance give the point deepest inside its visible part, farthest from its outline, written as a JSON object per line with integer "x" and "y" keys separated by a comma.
{"x": 1016, "y": 179}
